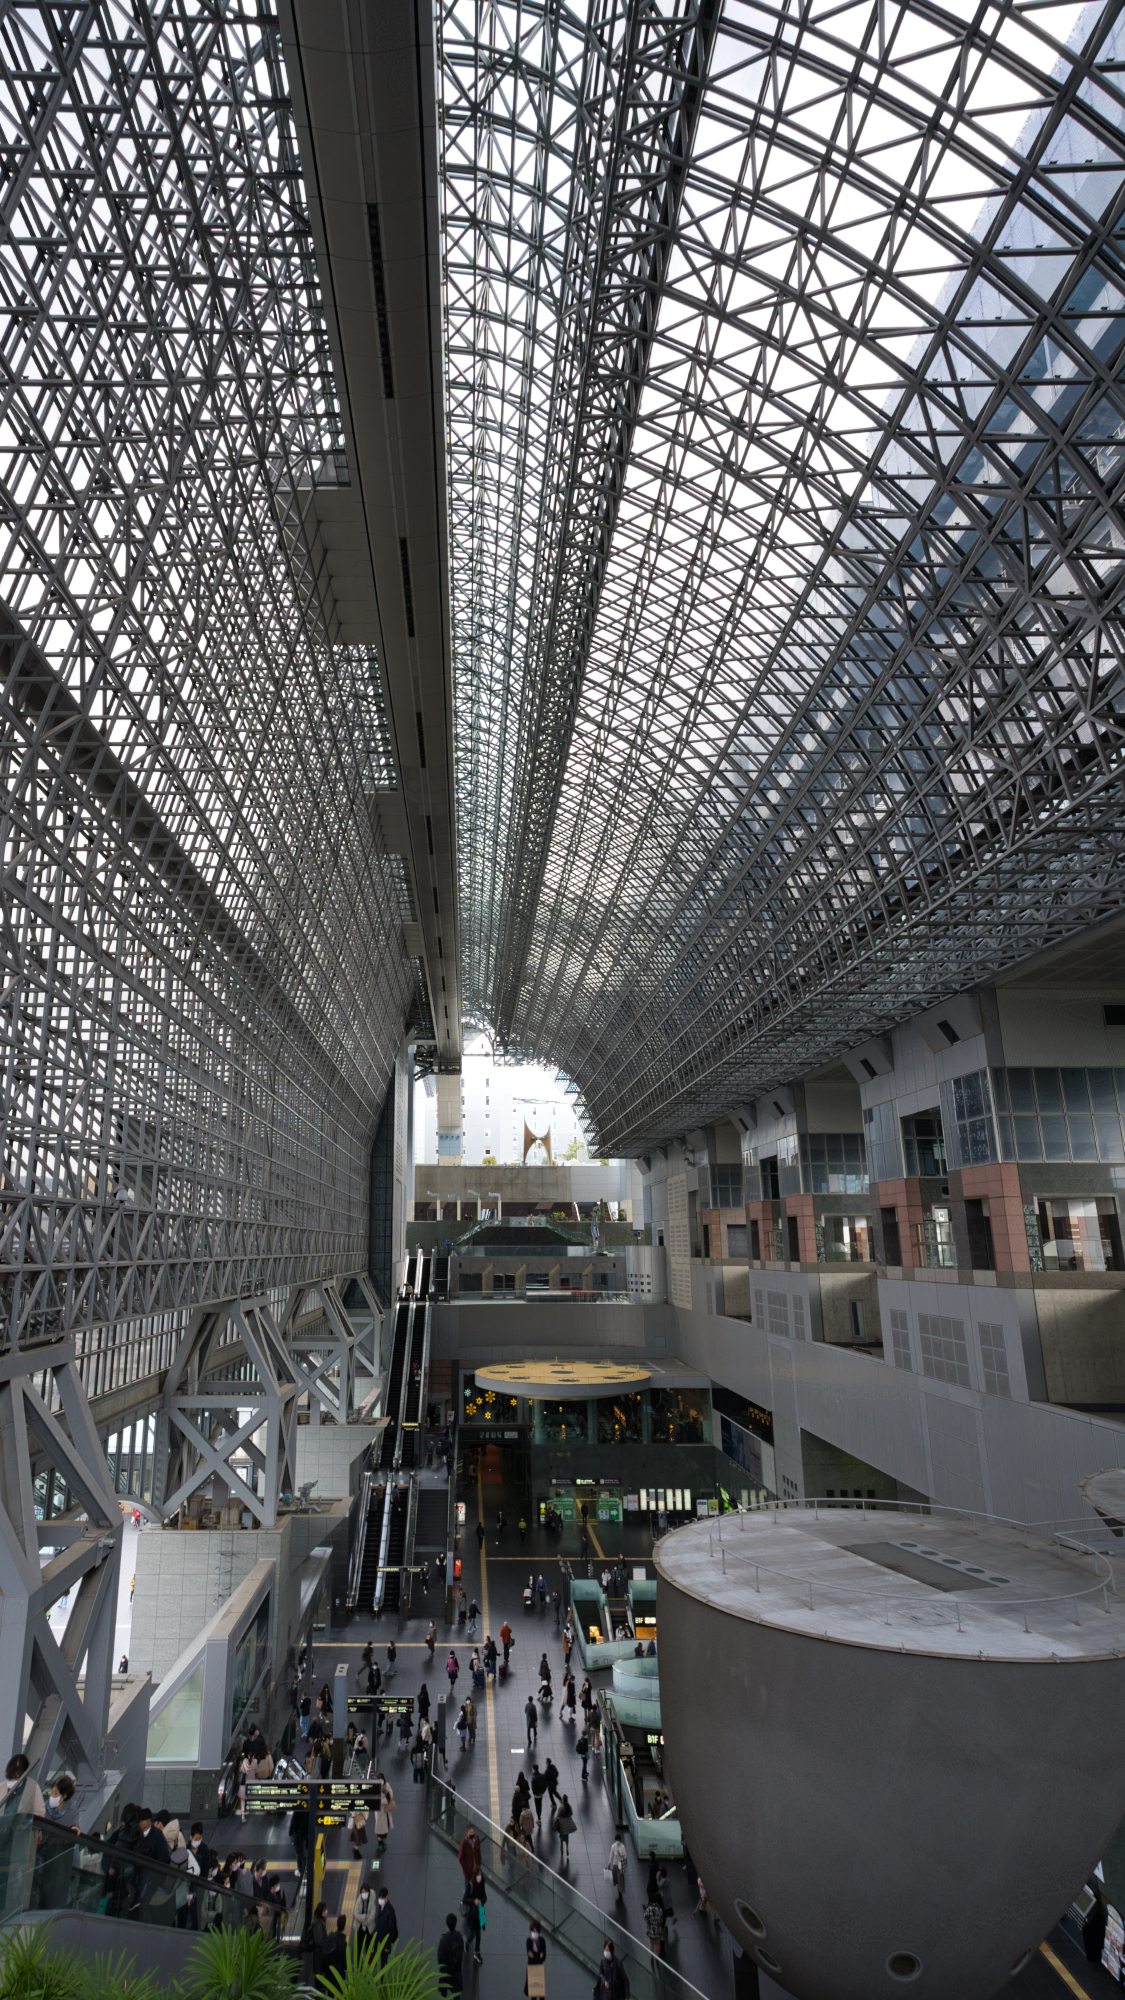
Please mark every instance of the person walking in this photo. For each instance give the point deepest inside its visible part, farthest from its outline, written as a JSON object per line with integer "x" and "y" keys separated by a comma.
{"x": 521, "y": 1795}
{"x": 565, "y": 1825}
{"x": 471, "y": 1719}
{"x": 536, "y": 1948}
{"x": 431, "y": 1638}
{"x": 582, "y": 1749}
{"x": 570, "y": 1699}
{"x": 450, "y": 1958}
{"x": 247, "y": 1770}
{"x": 541, "y": 1593}
{"x": 523, "y": 1529}
{"x": 527, "y": 1820}
{"x": 538, "y": 1788}
{"x": 612, "y": 1981}
{"x": 506, "y": 1636}
{"x": 556, "y": 1600}
{"x": 304, "y": 1713}
{"x": 501, "y": 1524}
{"x": 423, "y": 1702}
{"x": 473, "y": 1905}
{"x": 480, "y": 1534}
{"x": 551, "y": 1777}
{"x": 468, "y": 1854}
{"x": 463, "y": 1726}
{"x": 616, "y": 1865}
{"x": 531, "y": 1716}
{"x": 318, "y": 1938}
{"x": 385, "y": 1816}
{"x": 656, "y": 1924}
{"x": 452, "y": 1669}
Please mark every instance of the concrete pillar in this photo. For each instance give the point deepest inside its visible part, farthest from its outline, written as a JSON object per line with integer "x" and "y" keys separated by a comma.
{"x": 538, "y": 1431}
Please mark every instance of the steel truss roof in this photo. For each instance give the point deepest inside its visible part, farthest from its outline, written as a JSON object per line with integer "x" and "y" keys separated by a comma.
{"x": 202, "y": 986}
{"x": 786, "y": 430}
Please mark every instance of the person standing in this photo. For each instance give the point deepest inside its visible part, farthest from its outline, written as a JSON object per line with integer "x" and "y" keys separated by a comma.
{"x": 531, "y": 1714}
{"x": 386, "y": 1923}
{"x": 536, "y": 1948}
{"x": 541, "y": 1592}
{"x": 617, "y": 1862}
{"x": 423, "y": 1702}
{"x": 556, "y": 1600}
{"x": 523, "y": 1529}
{"x": 506, "y": 1639}
{"x": 431, "y": 1638}
{"x": 318, "y": 1938}
{"x": 298, "y": 1834}
{"x": 468, "y": 1854}
{"x": 473, "y": 1904}
{"x": 450, "y": 1956}
{"x": 334, "y": 1957}
{"x": 565, "y": 1825}
{"x": 538, "y": 1787}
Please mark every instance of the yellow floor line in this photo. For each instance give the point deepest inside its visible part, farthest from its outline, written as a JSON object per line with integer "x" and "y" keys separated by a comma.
{"x": 489, "y": 1683}
{"x": 353, "y": 1870}
{"x": 1067, "y": 1978}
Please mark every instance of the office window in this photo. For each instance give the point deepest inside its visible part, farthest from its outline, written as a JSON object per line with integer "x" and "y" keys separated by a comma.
{"x": 736, "y": 1239}
{"x": 1081, "y": 1235}
{"x": 923, "y": 1145}
{"x": 968, "y": 1120}
{"x": 900, "y": 1338}
{"x": 778, "y": 1303}
{"x": 1067, "y": 1114}
{"x": 892, "y": 1242}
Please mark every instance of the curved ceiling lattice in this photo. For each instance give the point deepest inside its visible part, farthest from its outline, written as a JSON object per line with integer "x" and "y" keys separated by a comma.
{"x": 786, "y": 426}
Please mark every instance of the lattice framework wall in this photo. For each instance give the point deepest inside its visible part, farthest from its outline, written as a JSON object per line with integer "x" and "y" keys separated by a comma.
{"x": 202, "y": 986}
{"x": 834, "y": 725}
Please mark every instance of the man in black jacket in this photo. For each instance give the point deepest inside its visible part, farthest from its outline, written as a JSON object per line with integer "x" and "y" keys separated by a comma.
{"x": 450, "y": 1956}
{"x": 335, "y": 1954}
{"x": 386, "y": 1924}
{"x": 152, "y": 1844}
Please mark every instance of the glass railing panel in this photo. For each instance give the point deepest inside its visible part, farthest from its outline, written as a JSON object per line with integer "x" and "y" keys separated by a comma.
{"x": 577, "y": 1925}
{"x": 47, "y": 1866}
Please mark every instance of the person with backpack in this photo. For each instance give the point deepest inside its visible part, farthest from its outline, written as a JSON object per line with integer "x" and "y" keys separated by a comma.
{"x": 450, "y": 1957}
{"x": 582, "y": 1749}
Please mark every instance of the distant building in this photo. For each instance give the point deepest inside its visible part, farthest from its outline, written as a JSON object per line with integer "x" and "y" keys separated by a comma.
{"x": 500, "y": 1106}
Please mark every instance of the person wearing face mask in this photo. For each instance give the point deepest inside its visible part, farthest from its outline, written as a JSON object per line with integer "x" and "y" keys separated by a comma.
{"x": 536, "y": 1949}
{"x": 612, "y": 1982}
{"x": 60, "y": 1801}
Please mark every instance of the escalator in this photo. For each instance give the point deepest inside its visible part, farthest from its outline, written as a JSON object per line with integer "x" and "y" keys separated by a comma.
{"x": 414, "y": 1400}
{"x": 369, "y": 1563}
{"x": 400, "y": 1345}
{"x": 396, "y": 1548}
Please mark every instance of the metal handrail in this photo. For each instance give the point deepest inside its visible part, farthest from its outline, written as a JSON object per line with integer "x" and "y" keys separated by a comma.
{"x": 575, "y": 1924}
{"x": 366, "y": 1485}
{"x": 1102, "y": 1582}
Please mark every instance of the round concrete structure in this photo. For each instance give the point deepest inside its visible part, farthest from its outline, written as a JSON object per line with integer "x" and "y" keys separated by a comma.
{"x": 561, "y": 1379}
{"x": 894, "y": 1740}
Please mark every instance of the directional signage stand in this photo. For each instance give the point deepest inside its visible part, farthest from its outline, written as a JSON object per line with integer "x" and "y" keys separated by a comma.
{"x": 328, "y": 1802}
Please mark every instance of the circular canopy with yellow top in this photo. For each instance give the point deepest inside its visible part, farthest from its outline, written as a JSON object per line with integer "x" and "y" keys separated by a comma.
{"x": 567, "y": 1380}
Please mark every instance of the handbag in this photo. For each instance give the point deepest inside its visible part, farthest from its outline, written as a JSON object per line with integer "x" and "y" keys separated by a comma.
{"x": 265, "y": 1766}
{"x": 482, "y": 1916}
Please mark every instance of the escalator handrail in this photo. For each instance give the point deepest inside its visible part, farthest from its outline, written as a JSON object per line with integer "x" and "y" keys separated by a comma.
{"x": 361, "y": 1541}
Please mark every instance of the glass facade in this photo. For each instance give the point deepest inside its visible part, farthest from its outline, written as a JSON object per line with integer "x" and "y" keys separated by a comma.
{"x": 619, "y": 1419}
{"x": 843, "y": 1239}
{"x": 564, "y": 1420}
{"x": 822, "y": 1163}
{"x": 1060, "y": 1114}
{"x": 923, "y": 1146}
{"x": 679, "y": 1416}
{"x": 721, "y": 1187}
{"x": 1080, "y": 1235}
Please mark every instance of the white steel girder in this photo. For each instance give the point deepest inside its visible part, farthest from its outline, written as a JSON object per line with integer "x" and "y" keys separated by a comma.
{"x": 201, "y": 1428}
{"x": 39, "y": 1672}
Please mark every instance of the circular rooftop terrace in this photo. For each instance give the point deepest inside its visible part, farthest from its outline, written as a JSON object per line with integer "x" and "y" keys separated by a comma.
{"x": 928, "y": 1583}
